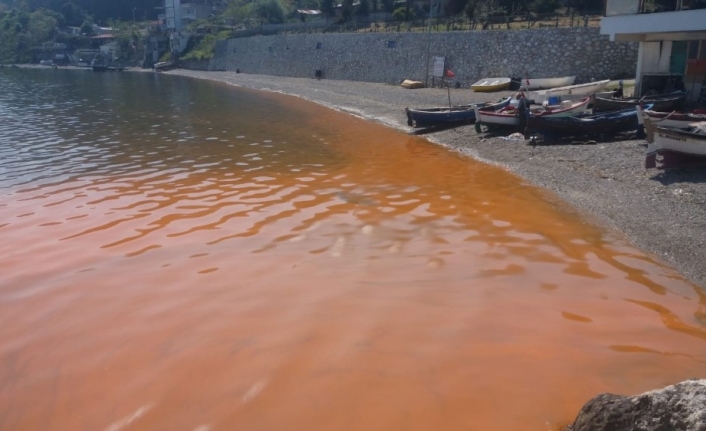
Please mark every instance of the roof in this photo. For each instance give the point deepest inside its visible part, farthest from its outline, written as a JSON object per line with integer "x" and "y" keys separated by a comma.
{"x": 309, "y": 11}
{"x": 103, "y": 36}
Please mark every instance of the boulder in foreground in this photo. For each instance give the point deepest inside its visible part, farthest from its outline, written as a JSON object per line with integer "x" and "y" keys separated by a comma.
{"x": 680, "y": 407}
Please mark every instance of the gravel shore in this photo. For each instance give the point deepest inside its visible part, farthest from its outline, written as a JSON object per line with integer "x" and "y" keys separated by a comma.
{"x": 661, "y": 212}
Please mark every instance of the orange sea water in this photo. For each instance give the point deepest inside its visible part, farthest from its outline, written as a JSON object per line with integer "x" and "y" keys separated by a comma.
{"x": 182, "y": 255}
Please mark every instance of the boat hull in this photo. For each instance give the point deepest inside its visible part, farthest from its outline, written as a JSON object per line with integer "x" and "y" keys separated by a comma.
{"x": 490, "y": 84}
{"x": 675, "y": 146}
{"x": 584, "y": 125}
{"x": 544, "y": 83}
{"x": 542, "y": 96}
{"x": 673, "y": 119}
{"x": 441, "y": 116}
{"x": 661, "y": 102}
{"x": 517, "y": 117}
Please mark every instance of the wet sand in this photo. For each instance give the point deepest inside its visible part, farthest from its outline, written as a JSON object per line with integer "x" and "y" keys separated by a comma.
{"x": 660, "y": 212}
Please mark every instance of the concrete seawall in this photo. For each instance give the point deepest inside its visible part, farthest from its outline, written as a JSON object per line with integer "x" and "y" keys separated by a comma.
{"x": 392, "y": 57}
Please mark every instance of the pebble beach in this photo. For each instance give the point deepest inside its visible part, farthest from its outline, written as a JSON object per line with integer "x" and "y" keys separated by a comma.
{"x": 662, "y": 212}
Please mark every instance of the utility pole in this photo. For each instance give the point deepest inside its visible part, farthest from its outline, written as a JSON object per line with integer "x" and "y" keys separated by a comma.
{"x": 426, "y": 64}
{"x": 133, "y": 16}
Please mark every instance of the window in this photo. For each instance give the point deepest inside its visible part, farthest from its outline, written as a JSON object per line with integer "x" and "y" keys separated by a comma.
{"x": 702, "y": 52}
{"x": 391, "y": 43}
{"x": 318, "y": 45}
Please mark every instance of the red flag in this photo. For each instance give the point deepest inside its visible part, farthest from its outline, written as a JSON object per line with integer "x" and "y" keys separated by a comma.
{"x": 448, "y": 73}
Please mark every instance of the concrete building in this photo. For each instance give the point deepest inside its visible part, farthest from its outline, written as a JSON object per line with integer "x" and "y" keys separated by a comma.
{"x": 177, "y": 16}
{"x": 672, "y": 50}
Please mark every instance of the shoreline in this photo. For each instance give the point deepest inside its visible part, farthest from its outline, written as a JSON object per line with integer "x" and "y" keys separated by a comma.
{"x": 663, "y": 213}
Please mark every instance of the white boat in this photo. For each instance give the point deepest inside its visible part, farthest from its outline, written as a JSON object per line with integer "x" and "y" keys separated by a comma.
{"x": 670, "y": 119}
{"x": 675, "y": 146}
{"x": 542, "y": 96}
{"x": 542, "y": 83}
{"x": 512, "y": 115}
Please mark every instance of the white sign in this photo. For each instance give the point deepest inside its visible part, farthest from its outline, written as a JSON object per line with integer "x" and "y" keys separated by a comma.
{"x": 438, "y": 67}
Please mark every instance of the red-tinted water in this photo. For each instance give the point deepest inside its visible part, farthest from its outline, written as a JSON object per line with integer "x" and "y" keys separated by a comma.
{"x": 221, "y": 259}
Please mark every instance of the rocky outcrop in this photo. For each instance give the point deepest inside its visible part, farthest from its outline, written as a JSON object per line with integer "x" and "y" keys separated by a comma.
{"x": 680, "y": 407}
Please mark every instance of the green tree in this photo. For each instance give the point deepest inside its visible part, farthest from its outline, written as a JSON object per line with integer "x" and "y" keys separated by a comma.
{"x": 363, "y": 8}
{"x": 73, "y": 15}
{"x": 346, "y": 10}
{"x": 455, "y": 7}
{"x": 328, "y": 8}
{"x": 87, "y": 28}
{"x": 271, "y": 11}
{"x": 544, "y": 6}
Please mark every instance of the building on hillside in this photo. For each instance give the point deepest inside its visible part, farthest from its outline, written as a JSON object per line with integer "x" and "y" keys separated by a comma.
{"x": 177, "y": 16}
{"x": 57, "y": 53}
{"x": 672, "y": 51}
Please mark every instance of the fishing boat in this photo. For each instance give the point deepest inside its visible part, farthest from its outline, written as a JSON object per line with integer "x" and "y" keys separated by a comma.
{"x": 542, "y": 96}
{"x": 605, "y": 123}
{"x": 543, "y": 83}
{"x": 491, "y": 84}
{"x": 674, "y": 118}
{"x": 428, "y": 117}
{"x": 675, "y": 146}
{"x": 517, "y": 112}
{"x": 660, "y": 102}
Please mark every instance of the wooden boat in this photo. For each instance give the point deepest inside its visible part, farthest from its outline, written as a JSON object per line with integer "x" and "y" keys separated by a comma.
{"x": 517, "y": 112}
{"x": 542, "y": 83}
{"x": 660, "y": 102}
{"x": 491, "y": 84}
{"x": 578, "y": 89}
{"x": 164, "y": 65}
{"x": 427, "y": 117}
{"x": 674, "y": 118}
{"x": 606, "y": 123}
{"x": 676, "y": 146}
{"x": 409, "y": 84}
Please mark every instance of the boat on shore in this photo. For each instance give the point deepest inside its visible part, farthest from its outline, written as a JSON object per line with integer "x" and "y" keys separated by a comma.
{"x": 606, "y": 123}
{"x": 518, "y": 111}
{"x": 545, "y": 83}
{"x": 660, "y": 102}
{"x": 429, "y": 117}
{"x": 542, "y": 96}
{"x": 675, "y": 146}
{"x": 674, "y": 118}
{"x": 491, "y": 84}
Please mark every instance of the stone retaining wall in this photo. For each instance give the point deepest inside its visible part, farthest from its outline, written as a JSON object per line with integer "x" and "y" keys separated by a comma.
{"x": 392, "y": 57}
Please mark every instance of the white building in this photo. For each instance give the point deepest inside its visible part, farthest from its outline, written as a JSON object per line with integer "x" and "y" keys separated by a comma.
{"x": 672, "y": 50}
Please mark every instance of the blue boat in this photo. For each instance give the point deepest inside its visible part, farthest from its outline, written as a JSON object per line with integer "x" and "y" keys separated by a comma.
{"x": 429, "y": 117}
{"x": 604, "y": 123}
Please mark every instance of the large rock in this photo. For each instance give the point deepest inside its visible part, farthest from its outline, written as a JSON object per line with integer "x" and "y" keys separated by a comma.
{"x": 680, "y": 407}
